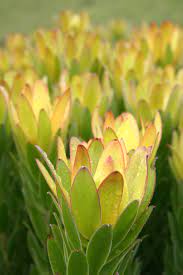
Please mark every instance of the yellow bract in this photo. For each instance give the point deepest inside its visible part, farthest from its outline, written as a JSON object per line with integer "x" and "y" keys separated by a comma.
{"x": 125, "y": 127}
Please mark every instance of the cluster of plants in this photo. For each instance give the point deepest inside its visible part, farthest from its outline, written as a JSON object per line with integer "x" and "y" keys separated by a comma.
{"x": 91, "y": 135}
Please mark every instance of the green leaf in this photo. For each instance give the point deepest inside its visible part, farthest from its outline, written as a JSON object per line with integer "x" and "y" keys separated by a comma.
{"x": 32, "y": 155}
{"x": 44, "y": 131}
{"x": 85, "y": 203}
{"x": 77, "y": 264}
{"x": 53, "y": 171}
{"x": 64, "y": 173}
{"x": 95, "y": 150}
{"x": 66, "y": 246}
{"x": 57, "y": 236}
{"x": 136, "y": 174}
{"x": 69, "y": 223}
{"x": 151, "y": 181}
{"x": 124, "y": 222}
{"x": 110, "y": 195}
{"x": 99, "y": 248}
{"x": 125, "y": 263}
{"x": 112, "y": 266}
{"x": 27, "y": 119}
{"x": 55, "y": 257}
{"x": 47, "y": 177}
{"x": 109, "y": 135}
{"x": 85, "y": 126}
{"x": 133, "y": 234}
{"x": 81, "y": 159}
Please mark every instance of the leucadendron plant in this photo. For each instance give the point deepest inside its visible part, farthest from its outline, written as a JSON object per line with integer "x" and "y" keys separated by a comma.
{"x": 35, "y": 118}
{"x": 102, "y": 194}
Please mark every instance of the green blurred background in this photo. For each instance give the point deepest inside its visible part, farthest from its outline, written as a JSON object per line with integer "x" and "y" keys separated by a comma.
{"x": 26, "y": 15}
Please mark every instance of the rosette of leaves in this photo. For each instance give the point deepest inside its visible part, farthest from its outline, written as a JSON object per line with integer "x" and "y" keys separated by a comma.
{"x": 102, "y": 196}
{"x": 36, "y": 119}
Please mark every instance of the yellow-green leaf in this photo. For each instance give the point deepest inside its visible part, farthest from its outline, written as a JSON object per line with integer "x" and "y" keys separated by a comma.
{"x": 47, "y": 177}
{"x": 41, "y": 98}
{"x": 27, "y": 119}
{"x": 110, "y": 195}
{"x": 111, "y": 160}
{"x": 44, "y": 131}
{"x": 61, "y": 112}
{"x": 127, "y": 129}
{"x": 85, "y": 203}
{"x": 136, "y": 174}
{"x": 81, "y": 159}
{"x": 95, "y": 150}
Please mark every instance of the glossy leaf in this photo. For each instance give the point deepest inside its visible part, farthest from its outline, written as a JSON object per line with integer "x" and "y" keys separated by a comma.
{"x": 61, "y": 150}
{"x": 110, "y": 194}
{"x": 85, "y": 203}
{"x": 47, "y": 177}
{"x": 151, "y": 181}
{"x": 124, "y": 222}
{"x": 111, "y": 160}
{"x": 136, "y": 174}
{"x": 44, "y": 131}
{"x": 55, "y": 257}
{"x": 65, "y": 174}
{"x": 77, "y": 264}
{"x": 95, "y": 150}
{"x": 132, "y": 234}
{"x": 81, "y": 159}
{"x": 69, "y": 223}
{"x": 127, "y": 129}
{"x": 61, "y": 112}
{"x": 109, "y": 135}
{"x": 99, "y": 248}
{"x": 27, "y": 119}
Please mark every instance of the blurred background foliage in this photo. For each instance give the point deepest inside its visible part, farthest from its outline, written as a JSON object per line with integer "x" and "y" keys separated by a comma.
{"x": 27, "y": 15}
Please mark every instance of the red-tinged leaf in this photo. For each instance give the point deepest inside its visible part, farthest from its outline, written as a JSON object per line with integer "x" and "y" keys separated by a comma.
{"x": 111, "y": 160}
{"x": 81, "y": 159}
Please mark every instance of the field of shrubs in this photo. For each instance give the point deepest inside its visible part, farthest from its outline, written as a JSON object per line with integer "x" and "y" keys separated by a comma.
{"x": 91, "y": 149}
